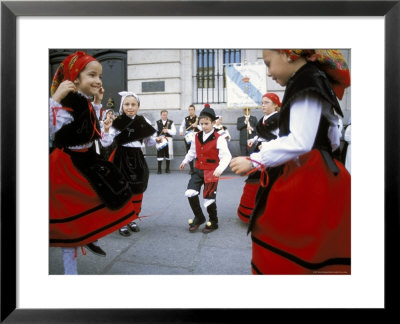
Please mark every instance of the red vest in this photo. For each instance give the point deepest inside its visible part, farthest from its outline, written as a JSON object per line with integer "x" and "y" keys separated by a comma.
{"x": 207, "y": 153}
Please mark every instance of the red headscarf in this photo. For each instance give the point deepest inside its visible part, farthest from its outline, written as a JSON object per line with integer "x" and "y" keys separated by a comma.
{"x": 274, "y": 97}
{"x": 330, "y": 61}
{"x": 69, "y": 68}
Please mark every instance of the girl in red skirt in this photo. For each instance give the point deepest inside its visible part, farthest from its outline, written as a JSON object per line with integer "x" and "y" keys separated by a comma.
{"x": 302, "y": 226}
{"x": 89, "y": 197}
{"x": 267, "y": 130}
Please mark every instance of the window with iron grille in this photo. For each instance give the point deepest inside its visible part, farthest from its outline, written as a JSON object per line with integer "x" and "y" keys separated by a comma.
{"x": 209, "y": 79}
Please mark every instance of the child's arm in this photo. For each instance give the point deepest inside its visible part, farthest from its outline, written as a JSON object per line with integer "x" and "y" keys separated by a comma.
{"x": 59, "y": 116}
{"x": 151, "y": 140}
{"x": 305, "y": 114}
{"x": 98, "y": 97}
{"x": 224, "y": 155}
{"x": 63, "y": 89}
{"x": 107, "y": 133}
{"x": 190, "y": 155}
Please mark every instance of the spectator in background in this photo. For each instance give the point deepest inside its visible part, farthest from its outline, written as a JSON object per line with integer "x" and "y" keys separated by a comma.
{"x": 165, "y": 150}
{"x": 247, "y": 127}
{"x": 188, "y": 128}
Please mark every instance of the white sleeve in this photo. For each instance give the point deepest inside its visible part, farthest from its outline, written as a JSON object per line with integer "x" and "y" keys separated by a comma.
{"x": 182, "y": 127}
{"x": 172, "y": 131}
{"x": 97, "y": 108}
{"x": 305, "y": 115}
{"x": 347, "y": 134}
{"x": 151, "y": 140}
{"x": 191, "y": 154}
{"x": 58, "y": 116}
{"x": 108, "y": 138}
{"x": 227, "y": 135}
{"x": 224, "y": 154}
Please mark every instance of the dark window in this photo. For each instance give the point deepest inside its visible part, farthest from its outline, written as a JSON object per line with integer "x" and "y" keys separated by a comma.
{"x": 209, "y": 78}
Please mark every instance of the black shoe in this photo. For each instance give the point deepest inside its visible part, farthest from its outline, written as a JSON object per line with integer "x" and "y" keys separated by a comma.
{"x": 159, "y": 172}
{"x": 133, "y": 227}
{"x": 195, "y": 224}
{"x": 209, "y": 228}
{"x": 124, "y": 231}
{"x": 95, "y": 249}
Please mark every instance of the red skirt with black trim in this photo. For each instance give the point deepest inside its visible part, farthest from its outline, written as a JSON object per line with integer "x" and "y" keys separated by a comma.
{"x": 248, "y": 200}
{"x": 305, "y": 228}
{"x": 77, "y": 215}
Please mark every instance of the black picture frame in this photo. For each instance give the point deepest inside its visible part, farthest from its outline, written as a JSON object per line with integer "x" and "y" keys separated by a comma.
{"x": 10, "y": 10}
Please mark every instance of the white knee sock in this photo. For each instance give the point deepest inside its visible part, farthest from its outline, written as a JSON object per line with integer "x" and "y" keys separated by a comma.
{"x": 69, "y": 261}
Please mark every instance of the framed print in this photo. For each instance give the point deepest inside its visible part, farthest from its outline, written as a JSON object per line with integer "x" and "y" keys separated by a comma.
{"x": 157, "y": 24}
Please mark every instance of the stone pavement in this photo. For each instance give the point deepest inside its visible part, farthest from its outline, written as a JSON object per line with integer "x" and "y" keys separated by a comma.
{"x": 164, "y": 245}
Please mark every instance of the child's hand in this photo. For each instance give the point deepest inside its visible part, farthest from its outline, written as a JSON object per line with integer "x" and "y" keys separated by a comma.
{"x": 98, "y": 97}
{"x": 63, "y": 89}
{"x": 107, "y": 124}
{"x": 241, "y": 165}
{"x": 182, "y": 166}
{"x": 217, "y": 173}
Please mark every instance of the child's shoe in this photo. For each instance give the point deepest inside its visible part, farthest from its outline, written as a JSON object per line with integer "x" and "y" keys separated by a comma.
{"x": 95, "y": 248}
{"x": 124, "y": 231}
{"x": 195, "y": 224}
{"x": 133, "y": 227}
{"x": 209, "y": 227}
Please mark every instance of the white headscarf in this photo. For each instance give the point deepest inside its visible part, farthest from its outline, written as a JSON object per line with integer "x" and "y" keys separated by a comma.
{"x": 125, "y": 94}
{"x": 106, "y": 112}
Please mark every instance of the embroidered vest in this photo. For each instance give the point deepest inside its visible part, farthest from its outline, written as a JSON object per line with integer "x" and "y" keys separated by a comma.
{"x": 207, "y": 152}
{"x": 160, "y": 127}
{"x": 189, "y": 121}
{"x": 85, "y": 127}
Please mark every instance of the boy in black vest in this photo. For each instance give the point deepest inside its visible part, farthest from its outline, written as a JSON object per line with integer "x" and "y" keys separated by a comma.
{"x": 212, "y": 156}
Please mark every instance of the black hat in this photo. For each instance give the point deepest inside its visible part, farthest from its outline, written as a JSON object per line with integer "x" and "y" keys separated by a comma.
{"x": 209, "y": 112}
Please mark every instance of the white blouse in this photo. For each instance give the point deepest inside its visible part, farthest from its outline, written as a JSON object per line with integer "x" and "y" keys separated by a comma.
{"x": 305, "y": 115}
{"x": 60, "y": 117}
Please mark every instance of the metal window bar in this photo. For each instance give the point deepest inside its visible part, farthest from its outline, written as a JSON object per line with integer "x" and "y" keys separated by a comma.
{"x": 209, "y": 80}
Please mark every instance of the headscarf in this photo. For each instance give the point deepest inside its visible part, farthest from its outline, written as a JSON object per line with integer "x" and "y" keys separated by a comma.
{"x": 274, "y": 98}
{"x": 125, "y": 94}
{"x": 329, "y": 61}
{"x": 106, "y": 112}
{"x": 70, "y": 68}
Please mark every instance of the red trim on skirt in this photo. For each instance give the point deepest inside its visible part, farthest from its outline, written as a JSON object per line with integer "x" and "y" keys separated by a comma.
{"x": 305, "y": 227}
{"x": 77, "y": 215}
{"x": 247, "y": 201}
